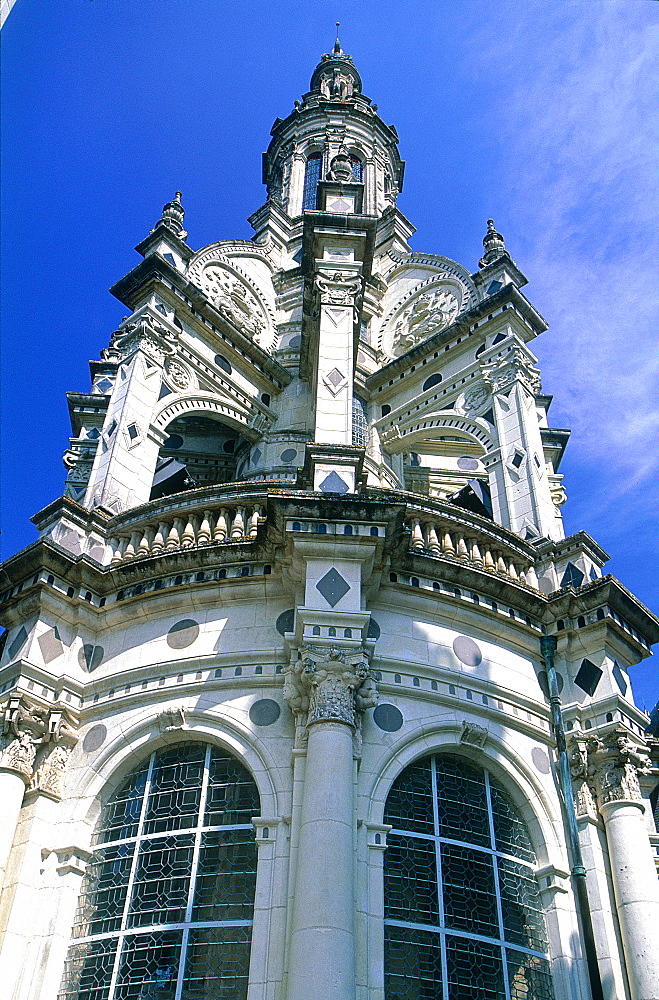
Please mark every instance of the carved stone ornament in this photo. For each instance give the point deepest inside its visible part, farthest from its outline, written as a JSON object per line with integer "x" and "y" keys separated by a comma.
{"x": 26, "y": 728}
{"x": 476, "y": 398}
{"x": 558, "y": 494}
{"x": 336, "y": 84}
{"x": 234, "y": 299}
{"x": 426, "y": 315}
{"x": 515, "y": 367}
{"x": 473, "y": 735}
{"x": 584, "y": 795}
{"x": 338, "y": 289}
{"x": 171, "y": 718}
{"x": 329, "y": 685}
{"x": 49, "y": 776}
{"x": 614, "y": 763}
{"x": 145, "y": 334}
{"x": 177, "y": 374}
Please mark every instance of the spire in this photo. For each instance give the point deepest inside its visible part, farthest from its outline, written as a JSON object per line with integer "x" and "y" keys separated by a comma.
{"x": 338, "y": 51}
{"x": 172, "y": 217}
{"x": 494, "y": 245}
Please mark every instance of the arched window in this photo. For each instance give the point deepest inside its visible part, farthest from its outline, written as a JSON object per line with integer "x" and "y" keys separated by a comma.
{"x": 166, "y": 906}
{"x": 311, "y": 177}
{"x": 462, "y": 911}
{"x": 357, "y": 169}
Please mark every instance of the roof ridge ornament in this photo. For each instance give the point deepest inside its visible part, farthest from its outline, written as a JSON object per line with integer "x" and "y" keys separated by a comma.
{"x": 494, "y": 244}
{"x": 172, "y": 216}
{"x": 338, "y": 51}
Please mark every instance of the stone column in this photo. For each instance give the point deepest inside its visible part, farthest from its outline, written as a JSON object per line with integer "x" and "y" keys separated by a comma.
{"x": 24, "y": 729}
{"x": 327, "y": 689}
{"x": 613, "y": 765}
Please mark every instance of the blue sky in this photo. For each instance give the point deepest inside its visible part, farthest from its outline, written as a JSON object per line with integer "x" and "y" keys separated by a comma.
{"x": 537, "y": 113}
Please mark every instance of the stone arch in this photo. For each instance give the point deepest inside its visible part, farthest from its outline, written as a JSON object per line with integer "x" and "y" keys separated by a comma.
{"x": 538, "y": 811}
{"x": 400, "y": 434}
{"x": 104, "y": 773}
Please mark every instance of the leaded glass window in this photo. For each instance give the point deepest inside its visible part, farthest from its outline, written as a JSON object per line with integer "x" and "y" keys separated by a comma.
{"x": 311, "y": 177}
{"x": 357, "y": 169}
{"x": 359, "y": 422}
{"x": 462, "y": 911}
{"x": 165, "y": 910}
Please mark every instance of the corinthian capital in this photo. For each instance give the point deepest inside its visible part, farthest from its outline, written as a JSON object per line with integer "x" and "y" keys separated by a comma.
{"x": 518, "y": 367}
{"x": 25, "y": 728}
{"x": 614, "y": 763}
{"x": 330, "y": 685}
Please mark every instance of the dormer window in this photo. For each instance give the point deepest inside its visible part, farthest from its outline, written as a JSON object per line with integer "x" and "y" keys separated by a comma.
{"x": 311, "y": 178}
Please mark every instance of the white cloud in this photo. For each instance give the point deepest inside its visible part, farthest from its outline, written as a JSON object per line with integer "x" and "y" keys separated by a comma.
{"x": 580, "y": 132}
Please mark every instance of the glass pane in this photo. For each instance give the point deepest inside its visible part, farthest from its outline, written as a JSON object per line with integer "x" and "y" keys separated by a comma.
{"x": 529, "y": 977}
{"x": 149, "y": 966}
{"x": 162, "y": 881}
{"x": 122, "y": 812}
{"x": 175, "y": 788}
{"x": 103, "y": 894}
{"x": 469, "y": 894}
{"x": 462, "y": 801}
{"x": 522, "y": 917}
{"x": 509, "y": 828}
{"x": 311, "y": 178}
{"x": 226, "y": 878}
{"x": 413, "y": 963}
{"x": 217, "y": 965}
{"x": 409, "y": 804}
{"x": 411, "y": 880}
{"x": 88, "y": 970}
{"x": 232, "y": 795}
{"x": 474, "y": 969}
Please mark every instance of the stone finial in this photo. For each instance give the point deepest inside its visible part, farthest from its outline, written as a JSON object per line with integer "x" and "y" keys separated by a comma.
{"x": 172, "y": 216}
{"x": 338, "y": 51}
{"x": 494, "y": 244}
{"x": 341, "y": 168}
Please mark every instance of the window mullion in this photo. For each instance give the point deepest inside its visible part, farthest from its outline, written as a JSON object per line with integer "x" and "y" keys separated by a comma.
{"x": 497, "y": 887}
{"x": 193, "y": 872}
{"x": 440, "y": 888}
{"x": 131, "y": 876}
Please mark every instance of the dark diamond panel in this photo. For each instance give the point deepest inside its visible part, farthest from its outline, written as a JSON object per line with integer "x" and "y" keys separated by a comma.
{"x": 332, "y": 587}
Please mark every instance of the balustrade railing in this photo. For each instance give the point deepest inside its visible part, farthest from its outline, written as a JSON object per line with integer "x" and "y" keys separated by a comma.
{"x": 179, "y": 531}
{"x": 444, "y": 539}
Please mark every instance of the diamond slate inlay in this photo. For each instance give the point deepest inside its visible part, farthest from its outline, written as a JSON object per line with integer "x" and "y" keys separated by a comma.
{"x": 335, "y": 377}
{"x": 333, "y": 587}
{"x": 334, "y": 484}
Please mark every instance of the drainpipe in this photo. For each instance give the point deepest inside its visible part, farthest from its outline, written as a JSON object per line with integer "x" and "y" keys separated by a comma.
{"x": 548, "y": 645}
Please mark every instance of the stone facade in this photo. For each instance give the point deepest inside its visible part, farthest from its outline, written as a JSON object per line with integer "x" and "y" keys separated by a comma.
{"x": 312, "y": 520}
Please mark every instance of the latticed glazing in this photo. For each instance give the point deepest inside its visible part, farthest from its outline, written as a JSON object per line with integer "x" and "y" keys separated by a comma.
{"x": 165, "y": 910}
{"x": 463, "y": 915}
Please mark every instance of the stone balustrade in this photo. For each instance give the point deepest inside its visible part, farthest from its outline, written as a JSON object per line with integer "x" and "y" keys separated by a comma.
{"x": 442, "y": 538}
{"x": 177, "y": 531}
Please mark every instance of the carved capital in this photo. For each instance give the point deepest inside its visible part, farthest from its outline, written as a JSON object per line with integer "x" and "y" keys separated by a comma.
{"x": 27, "y": 727}
{"x": 330, "y": 685}
{"x": 144, "y": 334}
{"x": 515, "y": 367}
{"x": 338, "y": 289}
{"x": 614, "y": 764}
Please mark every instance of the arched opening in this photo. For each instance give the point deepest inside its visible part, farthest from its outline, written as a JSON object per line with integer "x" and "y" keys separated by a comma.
{"x": 198, "y": 451}
{"x": 463, "y": 916}
{"x": 166, "y": 905}
{"x": 312, "y": 172}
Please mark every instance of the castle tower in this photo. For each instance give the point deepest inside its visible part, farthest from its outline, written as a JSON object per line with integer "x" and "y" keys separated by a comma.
{"x": 305, "y": 693}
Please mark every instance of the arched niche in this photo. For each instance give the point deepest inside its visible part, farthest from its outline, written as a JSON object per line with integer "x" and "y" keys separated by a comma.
{"x": 200, "y": 449}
